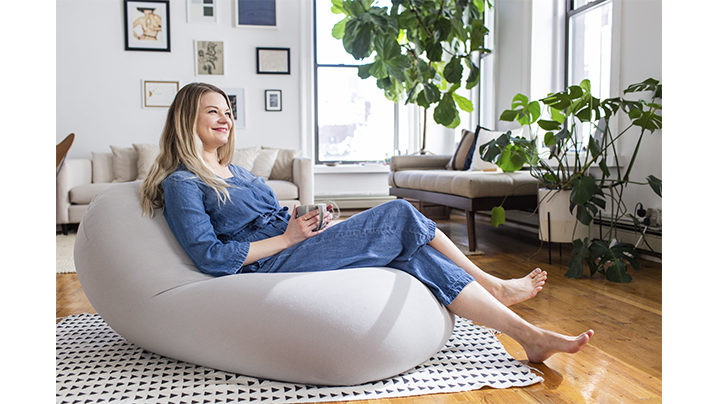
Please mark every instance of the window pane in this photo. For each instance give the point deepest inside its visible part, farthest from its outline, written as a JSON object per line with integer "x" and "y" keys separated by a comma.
{"x": 589, "y": 53}
{"x": 355, "y": 120}
{"x": 330, "y": 51}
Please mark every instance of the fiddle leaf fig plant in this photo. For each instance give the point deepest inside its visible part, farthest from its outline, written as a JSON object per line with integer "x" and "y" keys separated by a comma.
{"x": 419, "y": 51}
{"x": 567, "y": 156}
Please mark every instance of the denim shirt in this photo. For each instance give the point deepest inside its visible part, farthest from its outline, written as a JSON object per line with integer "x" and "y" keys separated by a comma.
{"x": 215, "y": 234}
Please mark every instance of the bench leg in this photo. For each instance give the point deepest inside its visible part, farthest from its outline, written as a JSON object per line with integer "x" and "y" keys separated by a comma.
{"x": 470, "y": 216}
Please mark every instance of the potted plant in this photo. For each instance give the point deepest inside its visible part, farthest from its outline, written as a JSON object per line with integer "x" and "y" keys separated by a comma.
{"x": 423, "y": 50}
{"x": 567, "y": 155}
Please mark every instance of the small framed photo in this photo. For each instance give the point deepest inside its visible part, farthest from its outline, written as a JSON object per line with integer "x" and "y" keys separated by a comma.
{"x": 255, "y": 13}
{"x": 147, "y": 25}
{"x": 159, "y": 94}
{"x": 209, "y": 58}
{"x": 237, "y": 105}
{"x": 202, "y": 11}
{"x": 273, "y": 60}
{"x": 273, "y": 100}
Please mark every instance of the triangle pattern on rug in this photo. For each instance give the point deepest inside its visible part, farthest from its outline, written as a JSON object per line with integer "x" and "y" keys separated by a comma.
{"x": 95, "y": 364}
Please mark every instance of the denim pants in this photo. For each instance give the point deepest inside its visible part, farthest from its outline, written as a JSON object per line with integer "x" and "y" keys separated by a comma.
{"x": 393, "y": 235}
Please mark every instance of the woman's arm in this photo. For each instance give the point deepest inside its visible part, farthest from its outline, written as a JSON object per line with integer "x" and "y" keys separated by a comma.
{"x": 299, "y": 229}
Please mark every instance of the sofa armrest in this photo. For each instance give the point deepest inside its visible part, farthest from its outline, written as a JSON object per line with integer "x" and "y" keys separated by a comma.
{"x": 304, "y": 178}
{"x": 419, "y": 162}
{"x": 74, "y": 172}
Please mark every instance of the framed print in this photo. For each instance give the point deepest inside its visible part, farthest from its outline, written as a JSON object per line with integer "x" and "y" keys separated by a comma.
{"x": 209, "y": 58}
{"x": 273, "y": 100}
{"x": 147, "y": 25}
{"x": 237, "y": 105}
{"x": 202, "y": 11}
{"x": 255, "y": 13}
{"x": 273, "y": 60}
{"x": 159, "y": 94}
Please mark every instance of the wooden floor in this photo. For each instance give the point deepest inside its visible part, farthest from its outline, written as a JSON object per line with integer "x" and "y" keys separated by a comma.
{"x": 621, "y": 364}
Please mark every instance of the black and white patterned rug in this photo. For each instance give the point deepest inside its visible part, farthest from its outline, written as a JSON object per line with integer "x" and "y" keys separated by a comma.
{"x": 95, "y": 364}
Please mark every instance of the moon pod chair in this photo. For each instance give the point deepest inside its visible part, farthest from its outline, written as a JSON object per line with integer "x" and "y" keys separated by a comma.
{"x": 342, "y": 327}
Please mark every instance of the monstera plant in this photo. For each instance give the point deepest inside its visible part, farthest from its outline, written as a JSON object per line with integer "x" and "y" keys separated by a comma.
{"x": 567, "y": 157}
{"x": 422, "y": 51}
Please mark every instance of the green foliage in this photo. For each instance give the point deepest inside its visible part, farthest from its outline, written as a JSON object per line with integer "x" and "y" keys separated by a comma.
{"x": 421, "y": 50}
{"x": 562, "y": 168}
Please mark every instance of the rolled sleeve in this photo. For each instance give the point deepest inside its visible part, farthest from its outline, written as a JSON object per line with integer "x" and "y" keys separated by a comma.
{"x": 186, "y": 215}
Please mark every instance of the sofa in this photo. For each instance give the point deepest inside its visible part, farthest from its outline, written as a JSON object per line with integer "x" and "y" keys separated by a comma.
{"x": 79, "y": 180}
{"x": 462, "y": 181}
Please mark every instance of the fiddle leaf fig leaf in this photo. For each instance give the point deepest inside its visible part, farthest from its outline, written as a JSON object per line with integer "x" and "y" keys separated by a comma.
{"x": 446, "y": 111}
{"x": 453, "y": 71}
{"x": 338, "y": 31}
{"x": 463, "y": 103}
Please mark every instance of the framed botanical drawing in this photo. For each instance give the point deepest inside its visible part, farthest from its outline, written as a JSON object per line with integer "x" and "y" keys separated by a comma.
{"x": 159, "y": 94}
{"x": 237, "y": 105}
{"x": 255, "y": 13}
{"x": 273, "y": 60}
{"x": 209, "y": 58}
{"x": 147, "y": 25}
{"x": 273, "y": 100}
{"x": 202, "y": 11}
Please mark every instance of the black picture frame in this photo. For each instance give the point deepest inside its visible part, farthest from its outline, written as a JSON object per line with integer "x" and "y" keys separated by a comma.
{"x": 273, "y": 60}
{"x": 255, "y": 13}
{"x": 273, "y": 100}
{"x": 141, "y": 27}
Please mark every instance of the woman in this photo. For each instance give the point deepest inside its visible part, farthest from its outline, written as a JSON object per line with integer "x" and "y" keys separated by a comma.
{"x": 230, "y": 222}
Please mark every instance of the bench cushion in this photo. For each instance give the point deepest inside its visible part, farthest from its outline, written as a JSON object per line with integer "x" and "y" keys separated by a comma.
{"x": 470, "y": 184}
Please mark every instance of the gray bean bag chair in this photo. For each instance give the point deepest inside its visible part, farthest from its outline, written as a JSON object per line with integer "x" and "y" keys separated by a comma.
{"x": 328, "y": 328}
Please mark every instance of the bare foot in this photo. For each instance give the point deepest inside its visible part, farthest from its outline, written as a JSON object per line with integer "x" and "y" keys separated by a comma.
{"x": 548, "y": 343}
{"x": 513, "y": 291}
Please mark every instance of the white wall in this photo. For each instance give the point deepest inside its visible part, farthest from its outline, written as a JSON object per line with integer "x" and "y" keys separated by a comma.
{"x": 99, "y": 82}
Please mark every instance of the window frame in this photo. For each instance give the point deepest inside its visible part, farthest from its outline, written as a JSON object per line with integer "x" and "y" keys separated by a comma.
{"x": 570, "y": 12}
{"x": 316, "y": 129}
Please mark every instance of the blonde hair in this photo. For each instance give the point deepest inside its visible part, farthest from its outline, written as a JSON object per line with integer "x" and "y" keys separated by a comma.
{"x": 180, "y": 144}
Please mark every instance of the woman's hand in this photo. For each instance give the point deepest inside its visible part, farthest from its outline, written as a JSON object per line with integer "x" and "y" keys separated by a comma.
{"x": 301, "y": 228}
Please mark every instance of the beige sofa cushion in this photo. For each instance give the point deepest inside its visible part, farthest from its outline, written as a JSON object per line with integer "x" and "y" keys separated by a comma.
{"x": 102, "y": 167}
{"x": 146, "y": 156}
{"x": 470, "y": 184}
{"x": 283, "y": 167}
{"x": 124, "y": 163}
{"x": 245, "y": 157}
{"x": 263, "y": 165}
{"x": 284, "y": 190}
{"x": 84, "y": 194}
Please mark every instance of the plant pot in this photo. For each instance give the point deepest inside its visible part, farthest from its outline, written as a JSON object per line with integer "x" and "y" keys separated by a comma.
{"x": 564, "y": 226}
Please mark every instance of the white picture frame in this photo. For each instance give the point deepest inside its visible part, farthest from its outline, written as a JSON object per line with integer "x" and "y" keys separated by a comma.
{"x": 158, "y": 94}
{"x": 209, "y": 58}
{"x": 255, "y": 13}
{"x": 201, "y": 11}
{"x": 237, "y": 105}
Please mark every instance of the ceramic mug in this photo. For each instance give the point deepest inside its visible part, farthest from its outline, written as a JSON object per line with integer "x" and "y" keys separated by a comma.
{"x": 304, "y": 209}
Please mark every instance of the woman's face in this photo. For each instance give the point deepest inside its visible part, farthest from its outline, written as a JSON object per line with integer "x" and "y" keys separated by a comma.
{"x": 214, "y": 121}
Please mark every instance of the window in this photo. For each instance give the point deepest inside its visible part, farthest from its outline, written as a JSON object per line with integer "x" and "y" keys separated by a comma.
{"x": 354, "y": 121}
{"x": 588, "y": 41}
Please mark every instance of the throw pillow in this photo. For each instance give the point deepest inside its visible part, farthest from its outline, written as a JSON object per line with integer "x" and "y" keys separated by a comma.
{"x": 485, "y": 136}
{"x": 462, "y": 158}
{"x": 102, "y": 168}
{"x": 245, "y": 158}
{"x": 147, "y": 154}
{"x": 283, "y": 167}
{"x": 264, "y": 163}
{"x": 124, "y": 163}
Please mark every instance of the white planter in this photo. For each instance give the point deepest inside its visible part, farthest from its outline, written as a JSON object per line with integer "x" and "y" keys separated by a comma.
{"x": 564, "y": 226}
